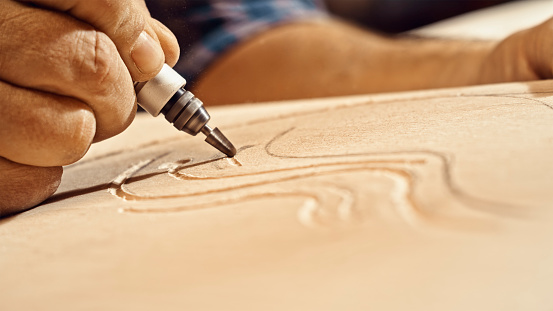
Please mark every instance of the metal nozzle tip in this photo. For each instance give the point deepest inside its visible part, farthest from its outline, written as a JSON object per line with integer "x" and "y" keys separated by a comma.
{"x": 219, "y": 141}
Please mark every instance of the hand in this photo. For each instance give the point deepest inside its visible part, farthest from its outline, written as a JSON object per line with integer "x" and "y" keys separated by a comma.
{"x": 66, "y": 80}
{"x": 524, "y": 56}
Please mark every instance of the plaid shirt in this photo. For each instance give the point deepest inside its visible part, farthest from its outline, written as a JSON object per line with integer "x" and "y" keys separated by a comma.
{"x": 207, "y": 28}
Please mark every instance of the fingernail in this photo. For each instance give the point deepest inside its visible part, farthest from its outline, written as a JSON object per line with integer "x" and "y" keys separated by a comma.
{"x": 147, "y": 53}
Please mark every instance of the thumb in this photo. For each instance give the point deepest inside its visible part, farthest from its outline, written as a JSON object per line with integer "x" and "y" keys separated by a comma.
{"x": 126, "y": 23}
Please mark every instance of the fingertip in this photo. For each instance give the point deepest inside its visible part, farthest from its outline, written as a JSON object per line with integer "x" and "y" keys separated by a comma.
{"x": 168, "y": 42}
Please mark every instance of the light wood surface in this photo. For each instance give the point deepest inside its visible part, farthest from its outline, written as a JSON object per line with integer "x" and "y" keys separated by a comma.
{"x": 435, "y": 200}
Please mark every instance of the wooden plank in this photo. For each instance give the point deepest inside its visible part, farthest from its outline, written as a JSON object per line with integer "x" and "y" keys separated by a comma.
{"x": 434, "y": 200}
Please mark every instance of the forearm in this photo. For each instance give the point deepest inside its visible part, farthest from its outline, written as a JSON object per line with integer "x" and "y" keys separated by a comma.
{"x": 330, "y": 58}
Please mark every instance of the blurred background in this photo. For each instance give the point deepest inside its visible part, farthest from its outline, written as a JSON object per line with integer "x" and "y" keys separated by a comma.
{"x": 394, "y": 16}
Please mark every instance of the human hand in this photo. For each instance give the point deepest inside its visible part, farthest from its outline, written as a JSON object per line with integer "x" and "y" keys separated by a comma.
{"x": 524, "y": 56}
{"x": 66, "y": 80}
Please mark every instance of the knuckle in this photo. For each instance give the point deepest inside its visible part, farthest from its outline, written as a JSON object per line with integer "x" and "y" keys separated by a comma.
{"x": 123, "y": 21}
{"x": 23, "y": 186}
{"x": 122, "y": 116}
{"x": 61, "y": 142}
{"x": 74, "y": 143}
{"x": 95, "y": 59}
{"x": 44, "y": 129}
{"x": 128, "y": 25}
{"x": 107, "y": 81}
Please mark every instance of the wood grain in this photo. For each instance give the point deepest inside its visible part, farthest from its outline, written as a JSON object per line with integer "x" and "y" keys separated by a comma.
{"x": 438, "y": 200}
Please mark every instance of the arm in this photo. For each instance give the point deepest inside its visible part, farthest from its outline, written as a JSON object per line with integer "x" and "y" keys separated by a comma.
{"x": 331, "y": 58}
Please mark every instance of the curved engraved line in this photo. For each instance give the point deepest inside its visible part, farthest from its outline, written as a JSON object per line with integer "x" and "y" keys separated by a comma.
{"x": 308, "y": 220}
{"x": 128, "y": 195}
{"x": 402, "y": 196}
{"x": 186, "y": 176}
{"x": 313, "y": 214}
{"x": 344, "y": 210}
{"x": 446, "y": 160}
{"x": 447, "y": 163}
{"x": 369, "y": 101}
{"x": 542, "y": 103}
{"x": 117, "y": 187}
{"x": 310, "y": 214}
{"x": 307, "y": 214}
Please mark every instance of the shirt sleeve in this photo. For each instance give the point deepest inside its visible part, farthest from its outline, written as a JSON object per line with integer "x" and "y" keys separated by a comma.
{"x": 208, "y": 28}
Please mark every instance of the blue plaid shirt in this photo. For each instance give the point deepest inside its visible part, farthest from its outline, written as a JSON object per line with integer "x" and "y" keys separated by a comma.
{"x": 207, "y": 28}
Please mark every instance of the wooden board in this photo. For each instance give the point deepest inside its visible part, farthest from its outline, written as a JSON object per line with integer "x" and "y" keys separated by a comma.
{"x": 434, "y": 200}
